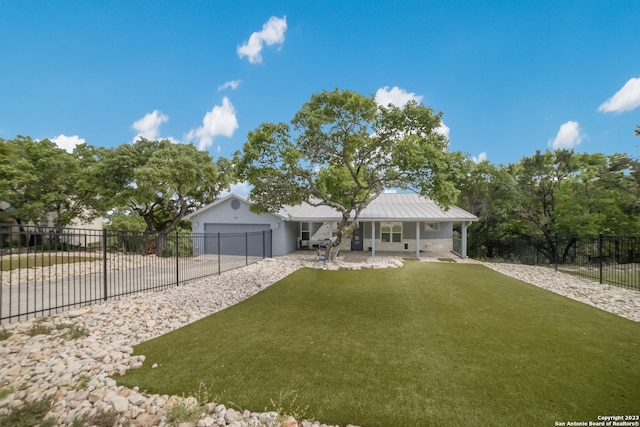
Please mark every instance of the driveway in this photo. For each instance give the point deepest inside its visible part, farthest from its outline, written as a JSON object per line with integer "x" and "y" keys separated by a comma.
{"x": 45, "y": 295}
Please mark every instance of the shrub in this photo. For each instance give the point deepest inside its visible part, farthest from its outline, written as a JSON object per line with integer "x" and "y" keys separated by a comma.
{"x": 39, "y": 328}
{"x": 287, "y": 406}
{"x": 104, "y": 419}
{"x": 72, "y": 332}
{"x": 4, "y": 392}
{"x": 29, "y": 415}
{"x": 83, "y": 383}
{"x": 190, "y": 409}
{"x": 4, "y": 334}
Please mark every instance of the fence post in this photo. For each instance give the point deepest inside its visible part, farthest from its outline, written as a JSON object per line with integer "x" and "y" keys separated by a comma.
{"x": 600, "y": 254}
{"x": 104, "y": 263}
{"x": 556, "y": 251}
{"x": 219, "y": 255}
{"x": 177, "y": 262}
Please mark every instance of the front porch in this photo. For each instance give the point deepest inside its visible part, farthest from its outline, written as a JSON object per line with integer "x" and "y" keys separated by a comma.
{"x": 406, "y": 239}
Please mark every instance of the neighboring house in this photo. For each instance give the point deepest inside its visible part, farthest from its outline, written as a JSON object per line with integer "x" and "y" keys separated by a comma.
{"x": 394, "y": 222}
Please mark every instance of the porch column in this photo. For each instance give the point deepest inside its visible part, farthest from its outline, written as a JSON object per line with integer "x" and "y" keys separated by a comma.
{"x": 418, "y": 239}
{"x": 464, "y": 239}
{"x": 373, "y": 238}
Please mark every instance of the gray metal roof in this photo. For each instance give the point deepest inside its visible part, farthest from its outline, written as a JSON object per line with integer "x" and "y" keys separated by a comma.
{"x": 387, "y": 206}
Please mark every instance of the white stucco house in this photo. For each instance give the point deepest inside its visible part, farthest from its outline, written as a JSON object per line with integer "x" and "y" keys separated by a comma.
{"x": 405, "y": 223}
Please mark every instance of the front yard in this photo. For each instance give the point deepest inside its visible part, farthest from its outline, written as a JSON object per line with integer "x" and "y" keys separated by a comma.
{"x": 427, "y": 344}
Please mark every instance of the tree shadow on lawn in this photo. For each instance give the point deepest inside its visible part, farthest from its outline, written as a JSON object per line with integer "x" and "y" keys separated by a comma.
{"x": 427, "y": 344}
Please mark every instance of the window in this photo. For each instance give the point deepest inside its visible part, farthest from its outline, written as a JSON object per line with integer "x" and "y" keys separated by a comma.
{"x": 304, "y": 231}
{"x": 391, "y": 232}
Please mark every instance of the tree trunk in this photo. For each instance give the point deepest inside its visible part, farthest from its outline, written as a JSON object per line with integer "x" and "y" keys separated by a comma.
{"x": 333, "y": 248}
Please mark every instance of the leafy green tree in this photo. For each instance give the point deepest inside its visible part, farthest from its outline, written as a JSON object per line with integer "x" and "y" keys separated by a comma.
{"x": 343, "y": 152}
{"x": 489, "y": 192}
{"x": 537, "y": 181}
{"x": 38, "y": 180}
{"x": 600, "y": 198}
{"x": 158, "y": 180}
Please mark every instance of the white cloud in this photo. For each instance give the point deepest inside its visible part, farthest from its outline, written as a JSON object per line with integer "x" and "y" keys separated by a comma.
{"x": 68, "y": 142}
{"x": 272, "y": 33}
{"x": 242, "y": 188}
{"x": 626, "y": 99}
{"x": 396, "y": 96}
{"x": 569, "y": 136}
{"x": 481, "y": 157}
{"x": 233, "y": 84}
{"x": 220, "y": 121}
{"x": 390, "y": 190}
{"x": 442, "y": 130}
{"x": 149, "y": 126}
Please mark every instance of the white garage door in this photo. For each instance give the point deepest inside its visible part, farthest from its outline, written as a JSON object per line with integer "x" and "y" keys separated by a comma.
{"x": 238, "y": 239}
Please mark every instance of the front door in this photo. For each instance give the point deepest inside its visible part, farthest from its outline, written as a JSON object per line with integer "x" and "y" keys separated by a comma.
{"x": 356, "y": 239}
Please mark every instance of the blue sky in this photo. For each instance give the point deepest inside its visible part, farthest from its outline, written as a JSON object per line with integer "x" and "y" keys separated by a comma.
{"x": 510, "y": 77}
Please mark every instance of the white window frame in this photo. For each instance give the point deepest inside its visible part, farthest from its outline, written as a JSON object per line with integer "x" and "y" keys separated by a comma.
{"x": 305, "y": 228}
{"x": 395, "y": 236}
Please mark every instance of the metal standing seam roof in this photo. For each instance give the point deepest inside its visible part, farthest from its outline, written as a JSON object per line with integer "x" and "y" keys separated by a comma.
{"x": 387, "y": 206}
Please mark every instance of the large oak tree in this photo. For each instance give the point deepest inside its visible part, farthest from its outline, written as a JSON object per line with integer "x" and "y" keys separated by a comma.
{"x": 342, "y": 150}
{"x": 158, "y": 180}
{"x": 38, "y": 180}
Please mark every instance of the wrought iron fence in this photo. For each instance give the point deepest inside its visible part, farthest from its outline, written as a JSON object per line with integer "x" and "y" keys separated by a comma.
{"x": 50, "y": 269}
{"x": 611, "y": 259}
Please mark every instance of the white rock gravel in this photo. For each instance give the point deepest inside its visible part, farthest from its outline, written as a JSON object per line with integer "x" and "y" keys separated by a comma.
{"x": 76, "y": 373}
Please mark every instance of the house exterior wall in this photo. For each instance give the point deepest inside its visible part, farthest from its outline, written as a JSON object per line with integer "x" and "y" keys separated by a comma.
{"x": 289, "y": 237}
{"x": 236, "y": 212}
{"x": 434, "y": 237}
{"x": 440, "y": 240}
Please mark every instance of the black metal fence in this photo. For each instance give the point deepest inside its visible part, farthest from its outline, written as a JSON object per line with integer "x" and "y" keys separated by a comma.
{"x": 49, "y": 269}
{"x": 611, "y": 259}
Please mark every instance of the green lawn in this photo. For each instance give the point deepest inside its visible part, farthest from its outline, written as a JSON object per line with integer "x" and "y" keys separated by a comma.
{"x": 428, "y": 344}
{"x": 42, "y": 260}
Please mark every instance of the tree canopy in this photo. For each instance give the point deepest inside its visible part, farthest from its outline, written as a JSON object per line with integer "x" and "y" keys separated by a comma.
{"x": 554, "y": 192}
{"x": 342, "y": 150}
{"x": 158, "y": 180}
{"x": 38, "y": 180}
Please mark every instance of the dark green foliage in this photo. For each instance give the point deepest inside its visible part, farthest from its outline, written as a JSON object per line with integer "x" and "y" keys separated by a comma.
{"x": 158, "y": 181}
{"x": 343, "y": 152}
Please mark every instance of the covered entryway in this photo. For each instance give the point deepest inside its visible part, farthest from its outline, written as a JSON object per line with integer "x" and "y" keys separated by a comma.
{"x": 238, "y": 239}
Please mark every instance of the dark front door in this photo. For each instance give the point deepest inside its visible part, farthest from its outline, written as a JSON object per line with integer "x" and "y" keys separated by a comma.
{"x": 356, "y": 239}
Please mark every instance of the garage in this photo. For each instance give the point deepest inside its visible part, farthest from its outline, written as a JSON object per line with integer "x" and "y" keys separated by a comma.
{"x": 238, "y": 239}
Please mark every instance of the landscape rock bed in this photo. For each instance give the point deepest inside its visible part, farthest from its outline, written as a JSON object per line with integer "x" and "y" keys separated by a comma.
{"x": 75, "y": 372}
